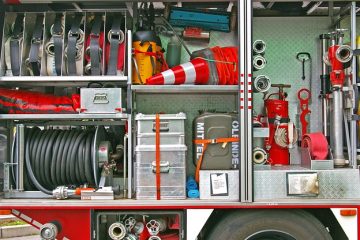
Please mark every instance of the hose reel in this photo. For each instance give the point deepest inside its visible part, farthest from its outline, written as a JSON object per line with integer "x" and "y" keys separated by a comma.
{"x": 57, "y": 158}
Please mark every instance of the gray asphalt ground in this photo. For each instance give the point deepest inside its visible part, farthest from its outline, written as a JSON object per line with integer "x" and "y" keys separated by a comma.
{"x": 35, "y": 237}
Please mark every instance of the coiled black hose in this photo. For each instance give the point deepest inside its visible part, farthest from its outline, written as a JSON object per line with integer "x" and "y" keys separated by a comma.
{"x": 59, "y": 157}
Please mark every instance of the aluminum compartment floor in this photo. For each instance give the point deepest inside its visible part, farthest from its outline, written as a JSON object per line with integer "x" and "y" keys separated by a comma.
{"x": 129, "y": 204}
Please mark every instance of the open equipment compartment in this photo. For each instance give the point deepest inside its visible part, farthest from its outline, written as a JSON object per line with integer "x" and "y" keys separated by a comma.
{"x": 297, "y": 64}
{"x": 151, "y": 225}
{"x": 210, "y": 98}
{"x": 111, "y": 110}
{"x": 76, "y": 120}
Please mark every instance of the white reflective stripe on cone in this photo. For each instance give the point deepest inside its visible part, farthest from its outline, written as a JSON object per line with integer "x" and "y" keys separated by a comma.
{"x": 190, "y": 73}
{"x": 169, "y": 77}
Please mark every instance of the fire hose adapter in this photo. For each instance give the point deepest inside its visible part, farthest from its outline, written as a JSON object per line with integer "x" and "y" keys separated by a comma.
{"x": 218, "y": 156}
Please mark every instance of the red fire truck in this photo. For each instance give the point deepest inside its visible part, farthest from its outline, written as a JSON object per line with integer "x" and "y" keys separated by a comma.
{"x": 181, "y": 120}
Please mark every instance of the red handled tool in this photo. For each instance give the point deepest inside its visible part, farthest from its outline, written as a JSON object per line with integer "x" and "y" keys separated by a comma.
{"x": 304, "y": 95}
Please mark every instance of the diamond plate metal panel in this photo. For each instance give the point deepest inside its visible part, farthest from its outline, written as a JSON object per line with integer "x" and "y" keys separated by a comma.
{"x": 149, "y": 103}
{"x": 333, "y": 184}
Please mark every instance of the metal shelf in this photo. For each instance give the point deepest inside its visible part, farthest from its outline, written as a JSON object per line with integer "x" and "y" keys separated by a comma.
{"x": 172, "y": 204}
{"x": 109, "y": 1}
{"x": 80, "y": 116}
{"x": 184, "y": 88}
{"x": 59, "y": 80}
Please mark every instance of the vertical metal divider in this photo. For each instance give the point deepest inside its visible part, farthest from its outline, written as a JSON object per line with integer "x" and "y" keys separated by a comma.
{"x": 104, "y": 16}
{"x": 129, "y": 111}
{"x": 22, "y": 46}
{"x": 46, "y": 39}
{"x": 248, "y": 100}
{"x": 2, "y": 41}
{"x": 245, "y": 100}
{"x": 20, "y": 138}
{"x": 353, "y": 134}
{"x": 241, "y": 39}
{"x": 244, "y": 31}
{"x": 63, "y": 46}
{"x": 84, "y": 15}
{"x": 123, "y": 14}
{"x": 43, "y": 60}
{"x": 8, "y": 164}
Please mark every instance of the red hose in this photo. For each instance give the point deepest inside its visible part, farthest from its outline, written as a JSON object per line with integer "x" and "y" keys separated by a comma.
{"x": 317, "y": 145}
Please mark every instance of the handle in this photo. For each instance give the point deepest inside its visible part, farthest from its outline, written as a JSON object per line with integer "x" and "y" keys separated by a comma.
{"x": 303, "y": 70}
{"x": 164, "y": 126}
{"x": 100, "y": 98}
{"x": 303, "y": 56}
{"x": 281, "y": 85}
{"x": 164, "y": 166}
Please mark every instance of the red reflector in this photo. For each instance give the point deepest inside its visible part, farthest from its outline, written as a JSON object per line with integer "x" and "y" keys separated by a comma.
{"x": 348, "y": 212}
{"x": 5, "y": 212}
{"x": 12, "y": 1}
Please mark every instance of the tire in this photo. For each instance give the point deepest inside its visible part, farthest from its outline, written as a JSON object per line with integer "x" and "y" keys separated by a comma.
{"x": 267, "y": 224}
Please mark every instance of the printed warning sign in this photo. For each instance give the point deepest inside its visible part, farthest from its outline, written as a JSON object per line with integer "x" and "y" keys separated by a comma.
{"x": 219, "y": 184}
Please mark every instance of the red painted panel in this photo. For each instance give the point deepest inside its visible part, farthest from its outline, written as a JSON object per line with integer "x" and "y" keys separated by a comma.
{"x": 75, "y": 223}
{"x": 148, "y": 206}
{"x": 12, "y": 1}
{"x": 71, "y": 217}
{"x": 358, "y": 228}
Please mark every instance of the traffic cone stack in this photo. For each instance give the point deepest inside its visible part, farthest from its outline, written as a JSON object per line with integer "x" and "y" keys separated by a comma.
{"x": 201, "y": 68}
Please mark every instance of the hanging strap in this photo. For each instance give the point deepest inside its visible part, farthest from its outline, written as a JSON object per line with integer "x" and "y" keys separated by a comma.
{"x": 158, "y": 55}
{"x": 95, "y": 58}
{"x": 115, "y": 38}
{"x": 157, "y": 154}
{"x": 150, "y": 53}
{"x": 35, "y": 45}
{"x": 57, "y": 34}
{"x": 15, "y": 44}
{"x": 73, "y": 36}
{"x": 161, "y": 58}
{"x": 205, "y": 143}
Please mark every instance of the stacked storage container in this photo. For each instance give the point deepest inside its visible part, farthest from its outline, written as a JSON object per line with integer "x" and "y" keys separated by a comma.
{"x": 172, "y": 156}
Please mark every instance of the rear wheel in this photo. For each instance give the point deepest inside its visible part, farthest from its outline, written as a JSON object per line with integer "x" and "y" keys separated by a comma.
{"x": 272, "y": 224}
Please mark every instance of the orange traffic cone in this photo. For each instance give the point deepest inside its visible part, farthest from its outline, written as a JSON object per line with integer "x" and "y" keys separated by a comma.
{"x": 194, "y": 72}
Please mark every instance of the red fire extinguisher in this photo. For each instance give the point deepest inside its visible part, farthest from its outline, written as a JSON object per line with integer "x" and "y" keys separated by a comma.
{"x": 282, "y": 134}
